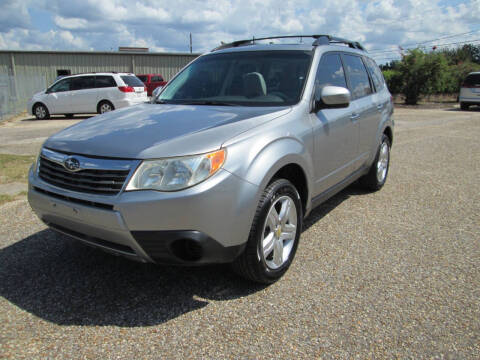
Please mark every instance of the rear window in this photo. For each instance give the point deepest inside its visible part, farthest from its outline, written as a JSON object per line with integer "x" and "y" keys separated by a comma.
{"x": 104, "y": 81}
{"x": 142, "y": 77}
{"x": 473, "y": 79}
{"x": 375, "y": 73}
{"x": 157, "y": 78}
{"x": 132, "y": 81}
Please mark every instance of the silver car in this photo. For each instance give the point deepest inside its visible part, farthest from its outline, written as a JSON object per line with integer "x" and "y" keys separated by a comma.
{"x": 223, "y": 168}
{"x": 470, "y": 91}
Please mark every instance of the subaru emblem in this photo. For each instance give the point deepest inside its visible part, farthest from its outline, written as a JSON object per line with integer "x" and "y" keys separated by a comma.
{"x": 71, "y": 164}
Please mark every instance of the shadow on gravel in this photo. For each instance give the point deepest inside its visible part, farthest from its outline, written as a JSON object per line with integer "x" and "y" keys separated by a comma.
{"x": 58, "y": 117}
{"x": 321, "y": 211}
{"x": 67, "y": 283}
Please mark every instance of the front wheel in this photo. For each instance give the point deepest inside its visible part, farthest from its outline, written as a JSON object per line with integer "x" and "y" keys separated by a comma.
{"x": 41, "y": 112}
{"x": 377, "y": 175}
{"x": 274, "y": 234}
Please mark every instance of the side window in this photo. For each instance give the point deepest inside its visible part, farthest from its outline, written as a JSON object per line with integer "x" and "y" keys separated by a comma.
{"x": 357, "y": 76}
{"x": 104, "y": 81}
{"x": 329, "y": 73}
{"x": 83, "y": 82}
{"x": 62, "y": 85}
{"x": 156, "y": 78}
{"x": 375, "y": 73}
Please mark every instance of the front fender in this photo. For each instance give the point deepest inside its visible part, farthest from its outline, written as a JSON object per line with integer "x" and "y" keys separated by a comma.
{"x": 258, "y": 164}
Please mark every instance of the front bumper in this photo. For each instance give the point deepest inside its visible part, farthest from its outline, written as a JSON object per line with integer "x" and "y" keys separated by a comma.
{"x": 208, "y": 223}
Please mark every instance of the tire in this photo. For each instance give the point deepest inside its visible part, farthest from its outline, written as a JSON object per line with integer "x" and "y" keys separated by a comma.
{"x": 68, "y": 116}
{"x": 377, "y": 175}
{"x": 105, "y": 106}
{"x": 464, "y": 106}
{"x": 264, "y": 261}
{"x": 41, "y": 112}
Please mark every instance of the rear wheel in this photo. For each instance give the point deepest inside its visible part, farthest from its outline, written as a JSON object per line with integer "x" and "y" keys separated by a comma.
{"x": 41, "y": 112}
{"x": 377, "y": 175}
{"x": 464, "y": 106}
{"x": 105, "y": 106}
{"x": 274, "y": 235}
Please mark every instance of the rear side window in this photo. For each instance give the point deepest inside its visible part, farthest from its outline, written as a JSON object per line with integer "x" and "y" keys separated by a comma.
{"x": 104, "y": 81}
{"x": 132, "y": 81}
{"x": 143, "y": 78}
{"x": 329, "y": 73}
{"x": 472, "y": 79}
{"x": 357, "y": 76}
{"x": 83, "y": 82}
{"x": 375, "y": 73}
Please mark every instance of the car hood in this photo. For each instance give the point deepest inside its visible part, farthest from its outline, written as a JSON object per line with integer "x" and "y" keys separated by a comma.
{"x": 160, "y": 130}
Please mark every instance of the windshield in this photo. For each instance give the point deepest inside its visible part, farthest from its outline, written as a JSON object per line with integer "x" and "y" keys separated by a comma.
{"x": 251, "y": 78}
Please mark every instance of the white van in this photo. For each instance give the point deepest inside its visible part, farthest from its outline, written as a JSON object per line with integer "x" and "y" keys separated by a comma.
{"x": 88, "y": 93}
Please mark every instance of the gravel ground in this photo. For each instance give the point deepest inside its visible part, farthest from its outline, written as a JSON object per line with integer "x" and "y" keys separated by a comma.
{"x": 393, "y": 274}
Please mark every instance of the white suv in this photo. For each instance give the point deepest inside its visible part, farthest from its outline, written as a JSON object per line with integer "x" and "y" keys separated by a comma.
{"x": 470, "y": 91}
{"x": 88, "y": 93}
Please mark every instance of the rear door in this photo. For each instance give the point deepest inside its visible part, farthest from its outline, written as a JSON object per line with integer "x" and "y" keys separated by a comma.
{"x": 135, "y": 83}
{"x": 84, "y": 94}
{"x": 366, "y": 113}
{"x": 381, "y": 100}
{"x": 335, "y": 130}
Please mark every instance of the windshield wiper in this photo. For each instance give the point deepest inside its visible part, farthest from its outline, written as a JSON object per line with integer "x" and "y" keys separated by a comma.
{"x": 209, "y": 102}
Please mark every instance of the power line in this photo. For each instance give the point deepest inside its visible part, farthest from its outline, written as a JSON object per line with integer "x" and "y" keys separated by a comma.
{"x": 424, "y": 42}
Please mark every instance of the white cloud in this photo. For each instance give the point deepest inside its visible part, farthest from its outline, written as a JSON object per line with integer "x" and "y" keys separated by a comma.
{"x": 165, "y": 26}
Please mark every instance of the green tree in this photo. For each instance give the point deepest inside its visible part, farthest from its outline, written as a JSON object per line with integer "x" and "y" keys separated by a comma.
{"x": 422, "y": 74}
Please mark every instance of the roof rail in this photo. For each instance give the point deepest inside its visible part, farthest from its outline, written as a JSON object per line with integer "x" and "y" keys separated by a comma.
{"x": 319, "y": 40}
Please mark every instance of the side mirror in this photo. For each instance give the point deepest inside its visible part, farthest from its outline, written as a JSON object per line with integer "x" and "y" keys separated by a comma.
{"x": 332, "y": 97}
{"x": 155, "y": 93}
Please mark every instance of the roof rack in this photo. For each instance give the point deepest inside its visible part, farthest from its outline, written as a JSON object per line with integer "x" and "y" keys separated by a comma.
{"x": 319, "y": 40}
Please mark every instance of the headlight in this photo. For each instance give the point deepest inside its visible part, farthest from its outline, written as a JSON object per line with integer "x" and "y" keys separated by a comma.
{"x": 176, "y": 173}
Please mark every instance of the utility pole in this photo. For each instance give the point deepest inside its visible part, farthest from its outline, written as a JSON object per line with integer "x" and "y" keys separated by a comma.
{"x": 190, "y": 43}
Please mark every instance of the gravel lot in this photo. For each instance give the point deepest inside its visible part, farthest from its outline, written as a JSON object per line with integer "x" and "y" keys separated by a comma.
{"x": 394, "y": 274}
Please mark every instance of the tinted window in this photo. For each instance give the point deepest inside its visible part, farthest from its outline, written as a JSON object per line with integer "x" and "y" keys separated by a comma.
{"x": 83, "y": 82}
{"x": 62, "y": 85}
{"x": 329, "y": 73}
{"x": 104, "y": 81}
{"x": 357, "y": 76}
{"x": 251, "y": 78}
{"x": 473, "y": 79}
{"x": 375, "y": 73}
{"x": 132, "y": 81}
{"x": 157, "y": 78}
{"x": 143, "y": 78}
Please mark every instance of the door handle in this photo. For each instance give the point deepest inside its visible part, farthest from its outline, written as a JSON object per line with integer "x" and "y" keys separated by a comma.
{"x": 379, "y": 106}
{"x": 354, "y": 116}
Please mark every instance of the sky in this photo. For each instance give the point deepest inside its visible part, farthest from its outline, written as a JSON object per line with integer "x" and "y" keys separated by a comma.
{"x": 104, "y": 25}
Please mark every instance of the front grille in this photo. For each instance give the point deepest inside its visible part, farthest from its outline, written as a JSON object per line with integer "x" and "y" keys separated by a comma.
{"x": 103, "y": 182}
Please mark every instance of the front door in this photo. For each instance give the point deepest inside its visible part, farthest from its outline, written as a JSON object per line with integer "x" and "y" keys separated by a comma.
{"x": 58, "y": 99}
{"x": 335, "y": 130}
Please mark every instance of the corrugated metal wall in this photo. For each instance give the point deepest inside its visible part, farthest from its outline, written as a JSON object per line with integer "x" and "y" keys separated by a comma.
{"x": 47, "y": 63}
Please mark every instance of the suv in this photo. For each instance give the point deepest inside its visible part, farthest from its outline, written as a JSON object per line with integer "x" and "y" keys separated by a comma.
{"x": 223, "y": 168}
{"x": 152, "y": 81}
{"x": 470, "y": 91}
{"x": 86, "y": 94}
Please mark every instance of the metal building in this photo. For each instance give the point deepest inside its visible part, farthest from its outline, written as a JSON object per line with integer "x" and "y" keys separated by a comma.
{"x": 50, "y": 64}
{"x": 22, "y": 73}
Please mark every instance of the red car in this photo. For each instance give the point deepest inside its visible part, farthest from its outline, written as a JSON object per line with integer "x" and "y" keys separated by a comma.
{"x": 152, "y": 81}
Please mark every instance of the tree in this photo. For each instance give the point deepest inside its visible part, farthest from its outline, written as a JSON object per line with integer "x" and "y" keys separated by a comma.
{"x": 422, "y": 74}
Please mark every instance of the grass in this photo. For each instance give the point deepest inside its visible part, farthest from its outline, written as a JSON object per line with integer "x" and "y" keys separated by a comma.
{"x": 4, "y": 198}
{"x": 14, "y": 168}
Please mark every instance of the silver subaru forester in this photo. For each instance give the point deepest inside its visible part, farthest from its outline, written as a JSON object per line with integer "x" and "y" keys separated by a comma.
{"x": 229, "y": 159}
